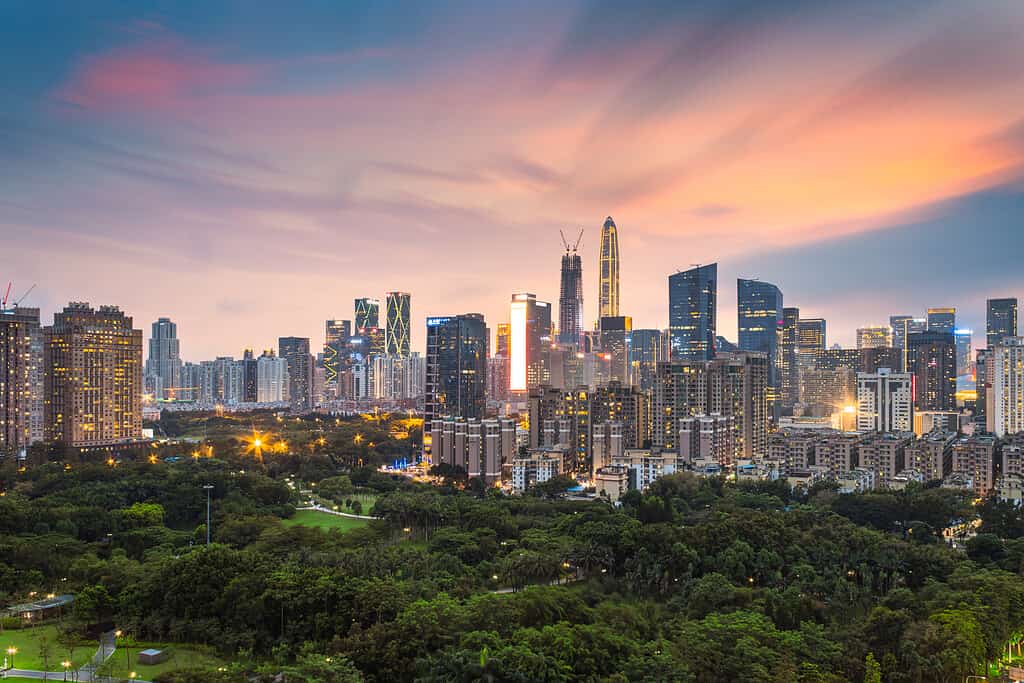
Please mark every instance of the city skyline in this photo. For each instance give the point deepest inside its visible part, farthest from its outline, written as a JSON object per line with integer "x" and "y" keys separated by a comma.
{"x": 182, "y": 150}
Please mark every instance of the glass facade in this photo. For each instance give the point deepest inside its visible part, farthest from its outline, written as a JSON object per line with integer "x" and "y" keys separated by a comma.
{"x": 692, "y": 300}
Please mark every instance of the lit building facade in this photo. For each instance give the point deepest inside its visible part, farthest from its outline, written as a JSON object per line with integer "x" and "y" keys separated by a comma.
{"x": 367, "y": 313}
{"x": 271, "y": 378}
{"x": 647, "y": 348}
{"x": 885, "y": 402}
{"x": 21, "y": 379}
{"x": 1006, "y": 379}
{"x": 874, "y": 336}
{"x": 530, "y": 342}
{"x": 164, "y": 361}
{"x": 788, "y": 368}
{"x": 1000, "y": 320}
{"x": 570, "y": 298}
{"x": 397, "y": 339}
{"x": 942, "y": 319}
{"x": 93, "y": 379}
{"x": 608, "y": 269}
{"x": 456, "y": 368}
{"x": 759, "y": 318}
{"x": 295, "y": 350}
{"x": 616, "y": 335}
{"x": 931, "y": 357}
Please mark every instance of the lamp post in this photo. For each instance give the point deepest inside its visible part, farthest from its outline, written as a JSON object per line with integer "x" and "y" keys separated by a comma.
{"x": 12, "y": 651}
{"x": 67, "y": 665}
{"x": 208, "y": 487}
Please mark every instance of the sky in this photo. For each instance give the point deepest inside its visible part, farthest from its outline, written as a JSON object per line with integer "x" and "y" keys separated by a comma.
{"x": 249, "y": 168}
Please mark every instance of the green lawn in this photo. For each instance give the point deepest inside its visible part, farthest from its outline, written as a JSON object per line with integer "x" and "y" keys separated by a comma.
{"x": 181, "y": 657}
{"x": 324, "y": 520}
{"x": 28, "y": 643}
{"x": 367, "y": 501}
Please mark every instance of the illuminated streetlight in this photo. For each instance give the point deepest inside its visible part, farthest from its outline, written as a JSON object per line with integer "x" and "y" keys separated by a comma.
{"x": 12, "y": 651}
{"x": 67, "y": 665}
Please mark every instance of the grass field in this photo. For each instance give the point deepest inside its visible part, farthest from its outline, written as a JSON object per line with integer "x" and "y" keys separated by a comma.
{"x": 365, "y": 499}
{"x": 324, "y": 520}
{"x": 181, "y": 657}
{"x": 28, "y": 642}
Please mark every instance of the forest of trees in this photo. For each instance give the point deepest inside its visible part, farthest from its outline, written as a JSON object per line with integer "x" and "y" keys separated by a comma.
{"x": 693, "y": 580}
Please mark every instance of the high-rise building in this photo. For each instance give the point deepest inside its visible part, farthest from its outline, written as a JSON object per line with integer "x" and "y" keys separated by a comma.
{"x": 530, "y": 342}
{"x": 93, "y": 387}
{"x": 503, "y": 340}
{"x": 898, "y": 325}
{"x": 1007, "y": 381}
{"x": 941, "y": 319}
{"x": 272, "y": 381}
{"x": 21, "y": 378}
{"x": 931, "y": 357}
{"x": 647, "y": 348}
{"x": 789, "y": 369}
{"x": 885, "y": 401}
{"x": 1001, "y": 320}
{"x": 164, "y": 362}
{"x": 983, "y": 385}
{"x": 874, "y": 337}
{"x": 456, "y": 362}
{"x": 624, "y": 405}
{"x": 250, "y": 377}
{"x": 964, "y": 357}
{"x": 692, "y": 301}
{"x": 615, "y": 338}
{"x": 731, "y": 384}
{"x": 295, "y": 350}
{"x": 759, "y": 317}
{"x": 608, "y": 267}
{"x": 810, "y": 335}
{"x": 367, "y": 312}
{"x": 570, "y": 298}
{"x": 336, "y": 335}
{"x": 398, "y": 341}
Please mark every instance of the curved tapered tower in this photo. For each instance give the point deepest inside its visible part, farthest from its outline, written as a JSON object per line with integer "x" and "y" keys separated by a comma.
{"x": 608, "y": 294}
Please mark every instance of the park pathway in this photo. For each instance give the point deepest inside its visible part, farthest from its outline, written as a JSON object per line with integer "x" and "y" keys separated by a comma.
{"x": 87, "y": 674}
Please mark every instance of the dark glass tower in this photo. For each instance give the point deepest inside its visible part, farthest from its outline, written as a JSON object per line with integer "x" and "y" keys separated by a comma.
{"x": 647, "y": 348}
{"x": 397, "y": 337}
{"x": 1001, "y": 321}
{"x": 759, "y": 316}
{"x": 931, "y": 356}
{"x": 692, "y": 299}
{"x": 456, "y": 367}
{"x": 295, "y": 350}
{"x": 789, "y": 369}
{"x": 367, "y": 314}
{"x": 570, "y": 300}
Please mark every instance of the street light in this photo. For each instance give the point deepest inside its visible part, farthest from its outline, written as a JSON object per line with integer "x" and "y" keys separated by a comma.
{"x": 12, "y": 651}
{"x": 208, "y": 487}
{"x": 67, "y": 665}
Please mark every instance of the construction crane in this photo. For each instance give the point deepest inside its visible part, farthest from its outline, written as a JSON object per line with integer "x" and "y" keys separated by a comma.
{"x": 22, "y": 297}
{"x": 566, "y": 243}
{"x": 7, "y": 296}
{"x": 3, "y": 303}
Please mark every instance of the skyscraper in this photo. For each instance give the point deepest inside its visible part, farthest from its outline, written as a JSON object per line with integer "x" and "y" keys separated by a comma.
{"x": 615, "y": 338}
{"x": 93, "y": 388}
{"x": 367, "y": 314}
{"x": 336, "y": 335}
{"x": 397, "y": 341}
{"x": 608, "y": 267}
{"x": 295, "y": 350}
{"x": 931, "y": 357}
{"x": 164, "y": 362}
{"x": 456, "y": 368}
{"x": 789, "y": 369}
{"x": 964, "y": 357}
{"x": 250, "y": 377}
{"x": 874, "y": 337}
{"x": 1007, "y": 382}
{"x": 570, "y": 298}
{"x": 810, "y": 335}
{"x": 692, "y": 300}
{"x": 941, "y": 319}
{"x": 759, "y": 319}
{"x": 271, "y": 378}
{"x": 1001, "y": 320}
{"x": 21, "y": 378}
{"x": 530, "y": 322}
{"x": 647, "y": 348}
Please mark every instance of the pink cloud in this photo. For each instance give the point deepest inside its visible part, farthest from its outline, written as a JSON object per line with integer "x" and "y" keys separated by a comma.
{"x": 157, "y": 75}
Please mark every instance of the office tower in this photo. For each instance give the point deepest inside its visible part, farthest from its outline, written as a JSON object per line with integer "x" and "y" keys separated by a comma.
{"x": 21, "y": 379}
{"x": 873, "y": 359}
{"x": 295, "y": 350}
{"x": 810, "y": 335}
{"x": 983, "y": 386}
{"x": 272, "y": 380}
{"x": 456, "y": 367}
{"x": 732, "y": 384}
{"x": 931, "y": 357}
{"x": 898, "y": 325}
{"x": 885, "y": 401}
{"x": 1007, "y": 386}
{"x": 570, "y": 298}
{"x": 825, "y": 391}
{"x": 964, "y": 356}
{"x": 164, "y": 362}
{"x": 615, "y": 337}
{"x": 759, "y": 319}
{"x": 367, "y": 314}
{"x": 398, "y": 341}
{"x": 647, "y": 348}
{"x": 692, "y": 300}
{"x": 1001, "y": 320}
{"x": 250, "y": 377}
{"x": 608, "y": 267}
{"x": 874, "y": 337}
{"x": 93, "y": 388}
{"x": 530, "y": 341}
{"x": 941, "y": 319}
{"x": 789, "y": 369}
{"x": 336, "y": 335}
{"x": 503, "y": 340}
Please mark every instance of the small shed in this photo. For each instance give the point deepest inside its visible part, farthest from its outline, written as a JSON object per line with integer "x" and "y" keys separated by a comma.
{"x": 152, "y": 656}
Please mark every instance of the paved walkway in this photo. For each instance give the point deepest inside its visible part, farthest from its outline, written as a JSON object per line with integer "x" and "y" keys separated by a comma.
{"x": 321, "y": 508}
{"x": 87, "y": 674}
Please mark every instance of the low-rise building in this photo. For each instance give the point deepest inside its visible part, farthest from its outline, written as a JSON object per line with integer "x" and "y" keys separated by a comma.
{"x": 645, "y": 465}
{"x": 974, "y": 457}
{"x": 838, "y": 452}
{"x": 612, "y": 482}
{"x": 905, "y": 478}
{"x": 707, "y": 437}
{"x": 539, "y": 466}
{"x": 857, "y": 480}
{"x": 932, "y": 454}
{"x": 885, "y": 455}
{"x": 1010, "y": 489}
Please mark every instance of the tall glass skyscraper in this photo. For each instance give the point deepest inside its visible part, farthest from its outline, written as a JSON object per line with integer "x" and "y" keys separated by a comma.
{"x": 647, "y": 348}
{"x": 692, "y": 300}
{"x": 570, "y": 299}
{"x": 759, "y": 316}
{"x": 1001, "y": 320}
{"x": 164, "y": 361}
{"x": 456, "y": 384}
{"x": 397, "y": 341}
{"x": 942, "y": 320}
{"x": 367, "y": 314}
{"x": 789, "y": 369}
{"x": 608, "y": 267}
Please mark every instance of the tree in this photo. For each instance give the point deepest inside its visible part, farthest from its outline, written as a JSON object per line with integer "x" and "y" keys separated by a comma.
{"x": 872, "y": 671}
